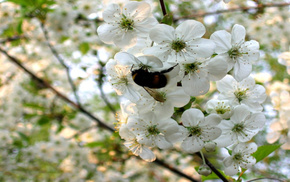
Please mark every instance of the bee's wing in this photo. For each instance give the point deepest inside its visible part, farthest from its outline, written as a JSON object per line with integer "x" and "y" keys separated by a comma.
{"x": 155, "y": 94}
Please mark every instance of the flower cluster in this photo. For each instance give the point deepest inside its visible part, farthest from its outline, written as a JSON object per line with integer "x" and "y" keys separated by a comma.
{"x": 160, "y": 67}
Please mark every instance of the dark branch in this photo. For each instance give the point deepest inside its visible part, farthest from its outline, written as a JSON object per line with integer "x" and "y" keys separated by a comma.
{"x": 259, "y": 6}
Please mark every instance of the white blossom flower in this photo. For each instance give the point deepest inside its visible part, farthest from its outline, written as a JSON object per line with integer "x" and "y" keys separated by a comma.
{"x": 140, "y": 150}
{"x": 199, "y": 129}
{"x": 240, "y": 157}
{"x": 244, "y": 92}
{"x": 280, "y": 130}
{"x": 123, "y": 28}
{"x": 241, "y": 127}
{"x": 121, "y": 79}
{"x": 240, "y": 54}
{"x": 198, "y": 74}
{"x": 284, "y": 59}
{"x": 181, "y": 44}
{"x": 221, "y": 107}
{"x": 152, "y": 131}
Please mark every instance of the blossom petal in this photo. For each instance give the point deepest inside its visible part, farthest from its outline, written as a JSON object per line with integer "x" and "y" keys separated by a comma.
{"x": 201, "y": 48}
{"x": 112, "y": 13}
{"x": 189, "y": 30}
{"x": 106, "y": 32}
{"x": 192, "y": 144}
{"x": 162, "y": 34}
{"x": 222, "y": 39}
{"x": 192, "y": 117}
{"x": 242, "y": 69}
{"x": 238, "y": 35}
{"x": 195, "y": 85}
{"x": 240, "y": 114}
{"x": 226, "y": 84}
{"x": 137, "y": 10}
{"x": 217, "y": 68}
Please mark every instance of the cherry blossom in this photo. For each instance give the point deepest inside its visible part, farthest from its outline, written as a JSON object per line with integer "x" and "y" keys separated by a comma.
{"x": 199, "y": 129}
{"x": 240, "y": 157}
{"x": 240, "y": 54}
{"x": 123, "y": 27}
{"x": 244, "y": 92}
{"x": 241, "y": 127}
{"x": 182, "y": 44}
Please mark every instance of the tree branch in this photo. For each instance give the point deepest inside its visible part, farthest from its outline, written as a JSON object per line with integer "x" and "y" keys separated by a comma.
{"x": 84, "y": 111}
{"x": 61, "y": 61}
{"x": 259, "y": 6}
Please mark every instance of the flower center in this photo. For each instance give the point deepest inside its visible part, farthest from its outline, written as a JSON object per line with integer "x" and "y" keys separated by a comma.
{"x": 178, "y": 45}
{"x": 126, "y": 23}
{"x": 221, "y": 109}
{"x": 124, "y": 80}
{"x": 238, "y": 157}
{"x": 238, "y": 128}
{"x": 241, "y": 94}
{"x": 153, "y": 130}
{"x": 191, "y": 68}
{"x": 195, "y": 130}
{"x": 234, "y": 52}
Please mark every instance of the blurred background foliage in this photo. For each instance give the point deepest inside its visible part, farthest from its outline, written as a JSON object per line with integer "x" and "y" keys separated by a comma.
{"x": 46, "y": 138}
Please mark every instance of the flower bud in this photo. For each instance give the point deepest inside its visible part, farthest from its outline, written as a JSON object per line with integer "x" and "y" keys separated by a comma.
{"x": 204, "y": 170}
{"x": 210, "y": 146}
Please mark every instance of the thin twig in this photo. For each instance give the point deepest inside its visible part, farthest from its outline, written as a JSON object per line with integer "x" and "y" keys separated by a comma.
{"x": 213, "y": 168}
{"x": 100, "y": 85}
{"x": 259, "y": 6}
{"x": 61, "y": 61}
{"x": 87, "y": 113}
{"x": 11, "y": 39}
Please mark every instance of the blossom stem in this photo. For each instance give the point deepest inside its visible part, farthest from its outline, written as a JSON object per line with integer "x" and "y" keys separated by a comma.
{"x": 202, "y": 156}
{"x": 163, "y": 8}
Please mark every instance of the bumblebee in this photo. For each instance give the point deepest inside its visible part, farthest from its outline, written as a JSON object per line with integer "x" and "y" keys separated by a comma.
{"x": 144, "y": 78}
{"x": 151, "y": 80}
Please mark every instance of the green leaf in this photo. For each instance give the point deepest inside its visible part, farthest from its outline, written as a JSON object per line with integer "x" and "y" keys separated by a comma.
{"x": 34, "y": 106}
{"x": 23, "y": 136}
{"x": 43, "y": 120}
{"x": 84, "y": 47}
{"x": 167, "y": 19}
{"x": 19, "y": 26}
{"x": 95, "y": 144}
{"x": 264, "y": 151}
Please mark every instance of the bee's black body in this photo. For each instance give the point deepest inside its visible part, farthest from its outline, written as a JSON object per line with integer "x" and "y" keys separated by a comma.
{"x": 144, "y": 78}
